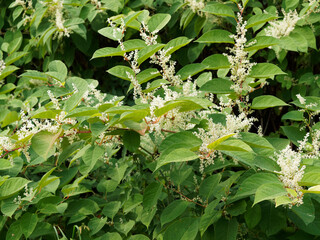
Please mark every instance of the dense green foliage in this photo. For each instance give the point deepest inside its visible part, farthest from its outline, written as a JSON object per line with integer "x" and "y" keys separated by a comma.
{"x": 159, "y": 119}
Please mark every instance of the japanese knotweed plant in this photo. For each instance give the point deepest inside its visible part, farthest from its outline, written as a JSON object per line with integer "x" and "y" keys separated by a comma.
{"x": 217, "y": 136}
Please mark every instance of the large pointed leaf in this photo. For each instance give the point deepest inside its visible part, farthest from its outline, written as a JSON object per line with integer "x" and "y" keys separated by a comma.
{"x": 177, "y": 155}
{"x": 269, "y": 191}
{"x": 151, "y": 195}
{"x": 12, "y": 186}
{"x": 216, "y": 36}
{"x": 267, "y": 101}
{"x": 43, "y": 142}
{"x": 173, "y": 210}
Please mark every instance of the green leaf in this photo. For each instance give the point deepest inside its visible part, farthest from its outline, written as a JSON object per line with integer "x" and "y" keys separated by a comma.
{"x": 96, "y": 224}
{"x": 244, "y": 3}
{"x": 147, "y": 216}
{"x": 5, "y": 164}
{"x": 312, "y": 103}
{"x": 310, "y": 179}
{"x": 75, "y": 99}
{"x": 226, "y": 230}
{"x": 138, "y": 237}
{"x": 231, "y": 144}
{"x": 295, "y": 134}
{"x": 51, "y": 114}
{"x": 177, "y": 155}
{"x": 208, "y": 185}
{"x": 12, "y": 186}
{"x": 24, "y": 226}
{"x": 185, "y": 104}
{"x": 217, "y": 86}
{"x": 130, "y": 45}
{"x": 128, "y": 19}
{"x": 216, "y": 61}
{"x": 216, "y": 143}
{"x": 151, "y": 195}
{"x": 131, "y": 140}
{"x": 269, "y": 191}
{"x": 305, "y": 211}
{"x": 117, "y": 173}
{"x": 216, "y": 36}
{"x": 35, "y": 75}
{"x": 255, "y": 141}
{"x": 11, "y": 117}
{"x": 259, "y": 19}
{"x": 7, "y": 88}
{"x": 148, "y": 51}
{"x": 109, "y": 33}
{"x": 210, "y": 216}
{"x": 110, "y": 236}
{"x": 186, "y": 18}
{"x": 112, "y": 208}
{"x": 82, "y": 112}
{"x": 176, "y": 44}
{"x": 265, "y": 70}
{"x": 262, "y": 42}
{"x": 190, "y": 70}
{"x": 16, "y": 42}
{"x": 14, "y": 57}
{"x": 219, "y": 9}
{"x": 180, "y": 139}
{"x": 44, "y": 180}
{"x": 121, "y": 72}
{"x": 253, "y": 216}
{"x": 182, "y": 229}
{"x": 107, "y": 52}
{"x": 60, "y": 67}
{"x": 147, "y": 75}
{"x": 267, "y": 101}
{"x": 7, "y": 71}
{"x": 250, "y": 185}
{"x": 43, "y": 142}
{"x": 173, "y": 210}
{"x": 294, "y": 42}
{"x": 134, "y": 201}
{"x": 92, "y": 155}
{"x": 124, "y": 227}
{"x": 158, "y": 21}
{"x": 293, "y": 115}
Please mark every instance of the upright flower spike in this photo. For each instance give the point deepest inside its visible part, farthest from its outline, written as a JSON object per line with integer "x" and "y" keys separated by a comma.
{"x": 291, "y": 171}
{"x": 240, "y": 65}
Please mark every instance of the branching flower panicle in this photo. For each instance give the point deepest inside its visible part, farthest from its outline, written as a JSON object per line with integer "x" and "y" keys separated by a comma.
{"x": 284, "y": 27}
{"x": 291, "y": 171}
{"x": 240, "y": 65}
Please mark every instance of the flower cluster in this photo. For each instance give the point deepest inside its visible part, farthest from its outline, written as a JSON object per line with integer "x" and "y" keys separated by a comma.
{"x": 291, "y": 171}
{"x": 173, "y": 120}
{"x": 2, "y": 66}
{"x": 234, "y": 124}
{"x": 284, "y": 27}
{"x": 195, "y": 5}
{"x": 239, "y": 63}
{"x": 26, "y": 5}
{"x": 55, "y": 10}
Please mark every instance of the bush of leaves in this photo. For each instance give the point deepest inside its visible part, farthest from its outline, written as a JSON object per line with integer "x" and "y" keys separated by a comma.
{"x": 159, "y": 119}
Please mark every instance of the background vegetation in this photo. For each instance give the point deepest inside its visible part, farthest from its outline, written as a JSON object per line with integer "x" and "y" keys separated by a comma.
{"x": 159, "y": 119}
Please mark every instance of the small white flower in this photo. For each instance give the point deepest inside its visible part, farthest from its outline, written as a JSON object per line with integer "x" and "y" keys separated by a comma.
{"x": 301, "y": 99}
